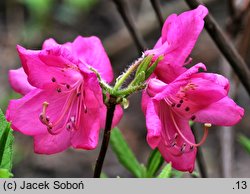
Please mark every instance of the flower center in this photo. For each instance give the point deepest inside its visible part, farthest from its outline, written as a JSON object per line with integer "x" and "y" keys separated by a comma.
{"x": 176, "y": 140}
{"x": 70, "y": 116}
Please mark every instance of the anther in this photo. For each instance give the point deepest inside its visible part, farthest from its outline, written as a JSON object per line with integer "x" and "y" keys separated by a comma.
{"x": 67, "y": 86}
{"x": 45, "y": 104}
{"x": 72, "y": 119}
{"x": 173, "y": 144}
{"x": 181, "y": 101}
{"x": 53, "y": 79}
{"x": 41, "y": 116}
{"x": 47, "y": 118}
{"x": 49, "y": 127}
{"x": 207, "y": 125}
{"x": 183, "y": 147}
{"x": 173, "y": 105}
{"x": 78, "y": 94}
{"x": 59, "y": 90}
{"x": 176, "y": 135}
{"x": 187, "y": 109}
{"x": 68, "y": 126}
{"x": 85, "y": 108}
{"x": 191, "y": 147}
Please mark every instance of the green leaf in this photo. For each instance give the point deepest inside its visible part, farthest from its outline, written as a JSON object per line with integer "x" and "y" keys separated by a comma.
{"x": 155, "y": 162}
{"x": 195, "y": 174}
{"x": 245, "y": 142}
{"x": 176, "y": 174}
{"x": 4, "y": 173}
{"x": 166, "y": 171}
{"x": 103, "y": 175}
{"x": 6, "y": 142}
{"x": 38, "y": 8}
{"x": 124, "y": 153}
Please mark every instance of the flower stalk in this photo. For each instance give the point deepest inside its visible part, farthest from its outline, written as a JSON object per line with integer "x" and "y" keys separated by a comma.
{"x": 118, "y": 96}
{"x": 105, "y": 141}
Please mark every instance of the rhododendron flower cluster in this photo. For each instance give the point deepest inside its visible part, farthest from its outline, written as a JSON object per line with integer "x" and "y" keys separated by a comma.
{"x": 64, "y": 87}
{"x": 62, "y": 104}
{"x": 175, "y": 95}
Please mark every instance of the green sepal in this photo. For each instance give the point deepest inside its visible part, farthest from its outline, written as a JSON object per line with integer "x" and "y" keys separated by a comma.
{"x": 144, "y": 65}
{"x": 140, "y": 78}
{"x": 151, "y": 69}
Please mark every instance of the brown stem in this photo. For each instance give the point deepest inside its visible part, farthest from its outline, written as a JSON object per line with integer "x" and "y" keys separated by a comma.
{"x": 226, "y": 48}
{"x": 106, "y": 136}
{"x": 156, "y": 6}
{"x": 125, "y": 12}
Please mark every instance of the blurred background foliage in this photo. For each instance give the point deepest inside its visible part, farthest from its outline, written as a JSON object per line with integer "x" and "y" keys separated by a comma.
{"x": 30, "y": 22}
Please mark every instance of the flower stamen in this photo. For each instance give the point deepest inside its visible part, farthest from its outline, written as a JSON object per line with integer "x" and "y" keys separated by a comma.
{"x": 206, "y": 126}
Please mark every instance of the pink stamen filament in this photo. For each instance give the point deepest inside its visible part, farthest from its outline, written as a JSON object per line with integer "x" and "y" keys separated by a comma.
{"x": 206, "y": 126}
{"x": 67, "y": 109}
{"x": 79, "y": 106}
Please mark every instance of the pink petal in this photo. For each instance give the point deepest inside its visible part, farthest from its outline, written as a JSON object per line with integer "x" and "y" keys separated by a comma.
{"x": 91, "y": 51}
{"x": 179, "y": 82}
{"x": 86, "y": 137}
{"x": 224, "y": 112}
{"x": 182, "y": 32}
{"x": 153, "y": 124}
{"x": 51, "y": 144}
{"x": 167, "y": 72}
{"x": 49, "y": 43}
{"x": 22, "y": 52}
{"x": 217, "y": 79}
{"x": 117, "y": 116}
{"x": 144, "y": 103}
{"x": 18, "y": 81}
{"x": 155, "y": 86}
{"x": 183, "y": 161}
{"x": 40, "y": 74}
{"x": 58, "y": 56}
{"x": 24, "y": 113}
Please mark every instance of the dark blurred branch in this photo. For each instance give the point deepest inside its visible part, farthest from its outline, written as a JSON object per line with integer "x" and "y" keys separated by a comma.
{"x": 200, "y": 158}
{"x": 126, "y": 14}
{"x": 157, "y": 9}
{"x": 231, "y": 8}
{"x": 227, "y": 49}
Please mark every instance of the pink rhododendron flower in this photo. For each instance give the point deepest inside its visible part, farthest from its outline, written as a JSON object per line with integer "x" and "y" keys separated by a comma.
{"x": 62, "y": 104}
{"x": 200, "y": 97}
{"x": 179, "y": 35}
{"x": 175, "y": 95}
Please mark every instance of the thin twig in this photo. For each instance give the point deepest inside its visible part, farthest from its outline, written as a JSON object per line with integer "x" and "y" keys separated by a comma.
{"x": 231, "y": 8}
{"x": 200, "y": 157}
{"x": 125, "y": 12}
{"x": 106, "y": 136}
{"x": 156, "y": 6}
{"x": 227, "y": 49}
